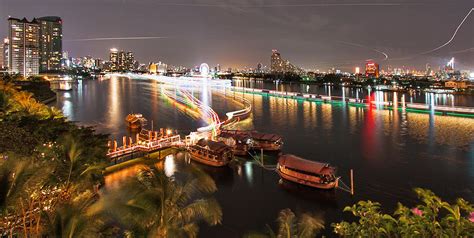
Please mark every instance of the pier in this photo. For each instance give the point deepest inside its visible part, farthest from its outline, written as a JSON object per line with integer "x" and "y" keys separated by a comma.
{"x": 403, "y": 105}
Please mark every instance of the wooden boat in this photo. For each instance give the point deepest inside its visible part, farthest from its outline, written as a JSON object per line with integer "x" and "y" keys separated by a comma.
{"x": 306, "y": 172}
{"x": 240, "y": 143}
{"x": 135, "y": 121}
{"x": 212, "y": 153}
{"x": 265, "y": 141}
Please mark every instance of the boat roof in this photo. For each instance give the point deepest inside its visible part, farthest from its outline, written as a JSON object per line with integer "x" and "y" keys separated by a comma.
{"x": 254, "y": 134}
{"x": 296, "y": 162}
{"x": 134, "y": 118}
{"x": 241, "y": 136}
{"x": 216, "y": 146}
{"x": 265, "y": 136}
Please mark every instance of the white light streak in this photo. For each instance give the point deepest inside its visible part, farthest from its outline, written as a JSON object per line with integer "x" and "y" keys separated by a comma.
{"x": 121, "y": 38}
{"x": 285, "y": 5}
{"x": 463, "y": 51}
{"x": 452, "y": 37}
{"x": 365, "y": 47}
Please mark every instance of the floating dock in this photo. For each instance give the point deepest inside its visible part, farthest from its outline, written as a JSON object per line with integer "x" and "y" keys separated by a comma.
{"x": 409, "y": 107}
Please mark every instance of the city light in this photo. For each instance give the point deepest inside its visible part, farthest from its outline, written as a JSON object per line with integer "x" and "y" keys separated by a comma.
{"x": 204, "y": 70}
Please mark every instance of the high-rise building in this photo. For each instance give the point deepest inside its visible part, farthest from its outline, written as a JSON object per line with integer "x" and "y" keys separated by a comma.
{"x": 6, "y": 53}
{"x": 278, "y": 65}
{"x": 372, "y": 69}
{"x": 51, "y": 37}
{"x": 23, "y": 48}
{"x": 122, "y": 60}
{"x": 259, "y": 68}
{"x": 357, "y": 70}
{"x": 130, "y": 61}
{"x": 114, "y": 61}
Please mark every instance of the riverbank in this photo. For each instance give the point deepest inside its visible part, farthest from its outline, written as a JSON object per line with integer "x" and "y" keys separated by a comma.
{"x": 41, "y": 90}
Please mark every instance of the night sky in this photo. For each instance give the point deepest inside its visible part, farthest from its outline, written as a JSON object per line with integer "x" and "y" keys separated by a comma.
{"x": 238, "y": 33}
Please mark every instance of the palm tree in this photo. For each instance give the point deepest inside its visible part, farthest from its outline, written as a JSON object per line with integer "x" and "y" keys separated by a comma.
{"x": 154, "y": 205}
{"x": 290, "y": 226}
{"x": 20, "y": 197}
{"x": 19, "y": 178}
{"x": 5, "y": 104}
{"x": 70, "y": 220}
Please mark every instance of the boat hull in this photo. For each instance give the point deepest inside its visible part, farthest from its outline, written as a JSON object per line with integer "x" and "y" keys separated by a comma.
{"x": 207, "y": 161}
{"x": 326, "y": 186}
{"x": 267, "y": 146}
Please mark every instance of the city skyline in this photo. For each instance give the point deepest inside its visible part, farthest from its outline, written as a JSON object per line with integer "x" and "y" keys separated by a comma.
{"x": 311, "y": 35}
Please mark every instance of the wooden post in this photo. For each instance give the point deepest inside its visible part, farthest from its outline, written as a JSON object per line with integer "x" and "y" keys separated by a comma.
{"x": 115, "y": 145}
{"x": 352, "y": 182}
{"x": 156, "y": 135}
{"x": 137, "y": 136}
{"x": 124, "y": 142}
{"x": 131, "y": 141}
{"x": 150, "y": 136}
{"x": 261, "y": 155}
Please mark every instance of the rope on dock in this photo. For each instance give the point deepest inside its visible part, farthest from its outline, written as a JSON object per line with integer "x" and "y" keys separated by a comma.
{"x": 266, "y": 167}
{"x": 341, "y": 185}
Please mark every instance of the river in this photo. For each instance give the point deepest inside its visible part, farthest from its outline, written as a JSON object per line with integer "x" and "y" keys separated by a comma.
{"x": 391, "y": 152}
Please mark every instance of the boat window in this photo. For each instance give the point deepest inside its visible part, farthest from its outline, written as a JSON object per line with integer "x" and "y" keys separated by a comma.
{"x": 304, "y": 172}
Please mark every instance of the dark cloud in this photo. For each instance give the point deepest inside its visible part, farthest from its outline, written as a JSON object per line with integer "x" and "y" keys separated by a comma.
{"x": 243, "y": 32}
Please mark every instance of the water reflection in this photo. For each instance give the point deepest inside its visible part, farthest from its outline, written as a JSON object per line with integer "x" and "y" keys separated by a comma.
{"x": 169, "y": 165}
{"x": 114, "y": 107}
{"x": 67, "y": 105}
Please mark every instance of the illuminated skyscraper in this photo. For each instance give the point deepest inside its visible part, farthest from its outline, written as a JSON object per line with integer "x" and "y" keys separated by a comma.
{"x": 122, "y": 60}
{"x": 113, "y": 59}
{"x": 278, "y": 65}
{"x": 372, "y": 69}
{"x": 276, "y": 62}
{"x": 4, "y": 54}
{"x": 23, "y": 47}
{"x": 130, "y": 61}
{"x": 51, "y": 37}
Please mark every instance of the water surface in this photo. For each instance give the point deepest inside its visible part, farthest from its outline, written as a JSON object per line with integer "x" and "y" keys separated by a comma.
{"x": 391, "y": 152}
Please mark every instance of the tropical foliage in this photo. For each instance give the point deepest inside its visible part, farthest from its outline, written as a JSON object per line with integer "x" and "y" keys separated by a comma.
{"x": 432, "y": 218}
{"x": 291, "y": 226}
{"x": 154, "y": 205}
{"x": 52, "y": 185}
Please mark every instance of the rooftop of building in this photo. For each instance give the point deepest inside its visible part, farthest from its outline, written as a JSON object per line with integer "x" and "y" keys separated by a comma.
{"x": 50, "y": 18}
{"x": 24, "y": 20}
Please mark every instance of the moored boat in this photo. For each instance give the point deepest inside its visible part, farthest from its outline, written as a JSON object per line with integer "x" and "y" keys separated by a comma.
{"x": 306, "y": 172}
{"x": 240, "y": 143}
{"x": 265, "y": 141}
{"x": 213, "y": 153}
{"x": 135, "y": 121}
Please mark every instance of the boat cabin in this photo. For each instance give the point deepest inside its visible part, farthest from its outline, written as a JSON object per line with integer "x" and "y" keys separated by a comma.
{"x": 240, "y": 143}
{"x": 307, "y": 172}
{"x": 213, "y": 153}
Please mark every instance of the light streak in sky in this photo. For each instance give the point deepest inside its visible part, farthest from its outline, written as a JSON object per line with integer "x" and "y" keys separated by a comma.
{"x": 365, "y": 47}
{"x": 463, "y": 51}
{"x": 452, "y": 37}
{"x": 285, "y": 5}
{"x": 121, "y": 38}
